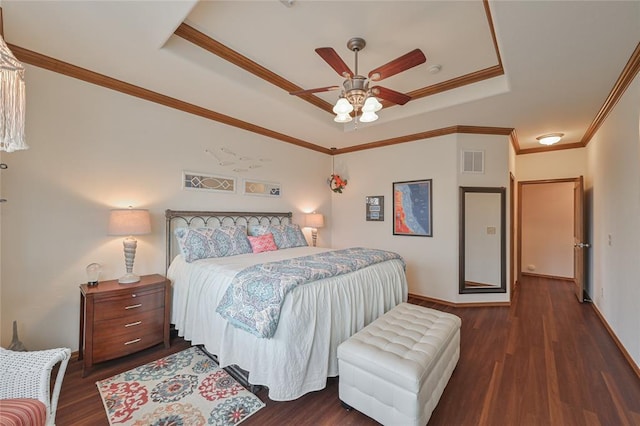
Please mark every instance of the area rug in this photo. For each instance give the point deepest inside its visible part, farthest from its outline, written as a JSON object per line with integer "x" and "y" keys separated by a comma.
{"x": 186, "y": 388}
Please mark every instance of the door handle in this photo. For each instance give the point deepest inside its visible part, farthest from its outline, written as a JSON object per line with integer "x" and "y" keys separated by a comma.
{"x": 582, "y": 245}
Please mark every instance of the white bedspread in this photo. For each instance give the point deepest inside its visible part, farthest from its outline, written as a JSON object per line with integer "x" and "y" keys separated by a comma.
{"x": 315, "y": 319}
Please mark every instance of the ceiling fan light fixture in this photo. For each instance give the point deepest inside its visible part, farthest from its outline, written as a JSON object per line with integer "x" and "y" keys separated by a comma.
{"x": 343, "y": 118}
{"x": 371, "y": 104}
{"x": 343, "y": 106}
{"x": 550, "y": 138}
{"x": 356, "y": 95}
{"x": 368, "y": 117}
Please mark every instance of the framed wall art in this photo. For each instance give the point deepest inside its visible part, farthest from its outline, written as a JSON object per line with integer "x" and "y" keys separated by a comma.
{"x": 207, "y": 182}
{"x": 258, "y": 187}
{"x": 412, "y": 208}
{"x": 375, "y": 208}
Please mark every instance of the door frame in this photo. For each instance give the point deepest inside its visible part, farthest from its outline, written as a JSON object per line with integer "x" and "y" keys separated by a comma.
{"x": 512, "y": 235}
{"x": 519, "y": 224}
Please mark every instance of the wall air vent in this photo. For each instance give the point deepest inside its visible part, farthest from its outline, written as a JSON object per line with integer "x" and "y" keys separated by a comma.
{"x": 472, "y": 162}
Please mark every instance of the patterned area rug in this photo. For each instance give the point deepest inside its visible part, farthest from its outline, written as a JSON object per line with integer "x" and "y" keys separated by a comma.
{"x": 186, "y": 388}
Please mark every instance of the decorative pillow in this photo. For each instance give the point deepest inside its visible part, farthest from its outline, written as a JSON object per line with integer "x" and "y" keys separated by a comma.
{"x": 262, "y": 243}
{"x": 195, "y": 243}
{"x": 203, "y": 243}
{"x": 288, "y": 236}
{"x": 230, "y": 241}
{"x": 257, "y": 230}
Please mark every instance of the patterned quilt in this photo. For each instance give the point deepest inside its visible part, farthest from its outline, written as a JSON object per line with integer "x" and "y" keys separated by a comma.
{"x": 254, "y": 298}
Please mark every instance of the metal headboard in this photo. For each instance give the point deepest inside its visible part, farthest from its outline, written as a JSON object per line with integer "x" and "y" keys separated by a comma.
{"x": 209, "y": 219}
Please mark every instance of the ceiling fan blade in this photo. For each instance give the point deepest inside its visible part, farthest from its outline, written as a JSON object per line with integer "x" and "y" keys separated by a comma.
{"x": 319, "y": 89}
{"x": 403, "y": 63}
{"x": 390, "y": 95}
{"x": 331, "y": 57}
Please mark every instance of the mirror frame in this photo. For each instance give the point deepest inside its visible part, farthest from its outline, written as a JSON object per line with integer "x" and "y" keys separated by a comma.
{"x": 503, "y": 240}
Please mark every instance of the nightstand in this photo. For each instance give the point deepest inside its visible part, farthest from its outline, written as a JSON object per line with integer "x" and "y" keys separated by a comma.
{"x": 120, "y": 319}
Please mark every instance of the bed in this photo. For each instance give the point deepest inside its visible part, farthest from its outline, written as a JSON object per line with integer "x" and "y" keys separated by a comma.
{"x": 315, "y": 317}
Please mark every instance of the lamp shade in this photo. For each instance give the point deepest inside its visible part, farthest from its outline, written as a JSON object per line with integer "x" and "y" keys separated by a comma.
{"x": 314, "y": 220}
{"x": 371, "y": 105}
{"x": 342, "y": 118}
{"x": 342, "y": 106}
{"x": 129, "y": 222}
{"x": 368, "y": 117}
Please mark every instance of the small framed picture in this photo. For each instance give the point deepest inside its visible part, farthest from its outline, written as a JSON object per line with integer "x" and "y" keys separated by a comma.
{"x": 412, "y": 208}
{"x": 375, "y": 208}
{"x": 258, "y": 187}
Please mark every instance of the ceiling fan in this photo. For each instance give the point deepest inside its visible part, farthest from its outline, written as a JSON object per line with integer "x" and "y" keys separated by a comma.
{"x": 357, "y": 94}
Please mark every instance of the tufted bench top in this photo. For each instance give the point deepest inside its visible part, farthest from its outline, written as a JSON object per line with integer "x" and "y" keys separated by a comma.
{"x": 401, "y": 346}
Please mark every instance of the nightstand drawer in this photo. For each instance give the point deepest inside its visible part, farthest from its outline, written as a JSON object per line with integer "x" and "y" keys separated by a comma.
{"x": 128, "y": 324}
{"x": 116, "y": 346}
{"x": 128, "y": 304}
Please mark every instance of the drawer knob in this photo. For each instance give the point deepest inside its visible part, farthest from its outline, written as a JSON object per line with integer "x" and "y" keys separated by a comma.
{"x": 133, "y": 306}
{"x": 132, "y": 341}
{"x": 133, "y": 295}
{"x": 131, "y": 324}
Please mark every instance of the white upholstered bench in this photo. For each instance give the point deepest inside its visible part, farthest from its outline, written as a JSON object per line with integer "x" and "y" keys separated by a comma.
{"x": 395, "y": 369}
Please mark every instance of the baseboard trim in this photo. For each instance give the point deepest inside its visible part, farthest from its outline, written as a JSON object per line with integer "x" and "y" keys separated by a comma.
{"x": 460, "y": 305}
{"x": 551, "y": 277}
{"x": 617, "y": 341}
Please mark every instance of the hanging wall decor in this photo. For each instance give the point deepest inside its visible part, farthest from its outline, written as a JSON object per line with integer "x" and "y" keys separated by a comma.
{"x": 12, "y": 101}
{"x": 336, "y": 183}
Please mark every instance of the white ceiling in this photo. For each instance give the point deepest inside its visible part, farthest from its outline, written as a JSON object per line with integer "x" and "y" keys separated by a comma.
{"x": 561, "y": 58}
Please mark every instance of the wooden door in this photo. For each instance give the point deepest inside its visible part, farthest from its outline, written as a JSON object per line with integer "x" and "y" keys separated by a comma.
{"x": 579, "y": 245}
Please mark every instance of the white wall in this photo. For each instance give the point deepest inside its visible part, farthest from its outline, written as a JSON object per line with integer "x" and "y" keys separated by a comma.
{"x": 94, "y": 149}
{"x": 613, "y": 188}
{"x": 432, "y": 262}
{"x": 568, "y": 163}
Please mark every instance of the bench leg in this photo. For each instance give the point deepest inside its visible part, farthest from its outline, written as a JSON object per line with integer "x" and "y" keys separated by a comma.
{"x": 346, "y": 406}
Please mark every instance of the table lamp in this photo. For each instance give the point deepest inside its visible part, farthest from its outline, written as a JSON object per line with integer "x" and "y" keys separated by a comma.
{"x": 314, "y": 221}
{"x": 129, "y": 222}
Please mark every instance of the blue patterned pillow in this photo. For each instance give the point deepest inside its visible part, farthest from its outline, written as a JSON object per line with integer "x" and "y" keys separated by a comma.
{"x": 288, "y": 236}
{"x": 203, "y": 243}
{"x": 258, "y": 230}
{"x": 195, "y": 243}
{"x": 231, "y": 241}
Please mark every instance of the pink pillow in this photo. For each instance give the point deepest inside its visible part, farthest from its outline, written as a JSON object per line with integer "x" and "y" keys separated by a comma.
{"x": 262, "y": 243}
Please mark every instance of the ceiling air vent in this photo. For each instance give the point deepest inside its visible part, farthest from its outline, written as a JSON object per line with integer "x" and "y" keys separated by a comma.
{"x": 472, "y": 161}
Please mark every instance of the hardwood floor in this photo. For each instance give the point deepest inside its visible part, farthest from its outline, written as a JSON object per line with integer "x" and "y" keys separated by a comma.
{"x": 546, "y": 360}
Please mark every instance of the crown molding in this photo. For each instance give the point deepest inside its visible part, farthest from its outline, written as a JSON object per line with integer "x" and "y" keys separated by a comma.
{"x": 558, "y": 147}
{"x": 478, "y": 130}
{"x": 624, "y": 80}
{"x": 202, "y": 40}
{"x": 213, "y": 46}
{"x": 36, "y": 59}
{"x": 55, "y": 65}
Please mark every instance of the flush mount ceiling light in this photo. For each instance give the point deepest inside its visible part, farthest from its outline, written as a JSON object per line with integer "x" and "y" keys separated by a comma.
{"x": 550, "y": 139}
{"x": 356, "y": 93}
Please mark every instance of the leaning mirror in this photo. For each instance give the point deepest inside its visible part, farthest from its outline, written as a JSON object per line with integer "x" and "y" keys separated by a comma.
{"x": 482, "y": 240}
